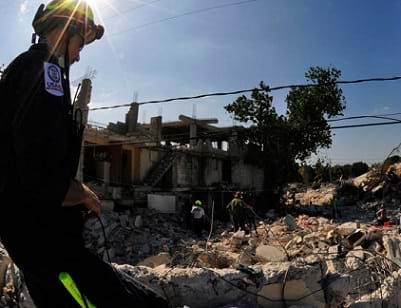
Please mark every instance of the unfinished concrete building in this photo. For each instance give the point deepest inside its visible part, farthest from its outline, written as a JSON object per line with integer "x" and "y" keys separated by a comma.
{"x": 184, "y": 155}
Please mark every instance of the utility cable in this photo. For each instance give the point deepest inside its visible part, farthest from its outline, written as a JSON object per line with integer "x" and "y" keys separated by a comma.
{"x": 367, "y": 124}
{"x": 378, "y": 116}
{"x": 184, "y": 98}
{"x": 106, "y": 244}
{"x": 180, "y": 15}
{"x": 118, "y": 14}
{"x": 211, "y": 227}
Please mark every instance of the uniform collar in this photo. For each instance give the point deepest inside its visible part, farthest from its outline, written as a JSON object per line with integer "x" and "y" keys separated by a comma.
{"x": 44, "y": 47}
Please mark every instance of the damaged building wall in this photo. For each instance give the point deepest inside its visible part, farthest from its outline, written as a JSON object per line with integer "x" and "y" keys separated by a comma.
{"x": 199, "y": 163}
{"x": 147, "y": 159}
{"x": 247, "y": 176}
{"x": 135, "y": 163}
{"x": 213, "y": 171}
{"x": 194, "y": 170}
{"x": 187, "y": 170}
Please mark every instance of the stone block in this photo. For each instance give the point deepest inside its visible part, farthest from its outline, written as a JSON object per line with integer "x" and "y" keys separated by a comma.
{"x": 269, "y": 253}
{"x": 301, "y": 283}
{"x": 154, "y": 261}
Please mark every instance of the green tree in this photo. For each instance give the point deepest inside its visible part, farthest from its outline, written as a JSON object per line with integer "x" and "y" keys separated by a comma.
{"x": 322, "y": 172}
{"x": 307, "y": 173}
{"x": 308, "y": 109}
{"x": 278, "y": 141}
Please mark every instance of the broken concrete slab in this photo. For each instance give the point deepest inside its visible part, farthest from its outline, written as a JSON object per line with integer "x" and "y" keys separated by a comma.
{"x": 154, "y": 261}
{"x": 195, "y": 287}
{"x": 302, "y": 286}
{"x": 347, "y": 228}
{"x": 269, "y": 253}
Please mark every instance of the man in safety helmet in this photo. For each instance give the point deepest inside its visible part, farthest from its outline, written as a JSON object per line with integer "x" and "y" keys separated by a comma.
{"x": 236, "y": 209}
{"x": 41, "y": 201}
{"x": 198, "y": 217}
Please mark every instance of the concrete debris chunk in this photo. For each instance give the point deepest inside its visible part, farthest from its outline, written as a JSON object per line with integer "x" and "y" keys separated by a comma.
{"x": 347, "y": 228}
{"x": 154, "y": 261}
{"x": 302, "y": 286}
{"x": 290, "y": 222}
{"x": 138, "y": 222}
{"x": 268, "y": 253}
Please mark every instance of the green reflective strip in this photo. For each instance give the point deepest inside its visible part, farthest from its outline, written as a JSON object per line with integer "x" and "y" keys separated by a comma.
{"x": 72, "y": 288}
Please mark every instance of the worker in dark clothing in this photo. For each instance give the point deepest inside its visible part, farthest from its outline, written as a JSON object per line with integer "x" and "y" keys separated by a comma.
{"x": 237, "y": 211}
{"x": 41, "y": 208}
{"x": 186, "y": 209}
{"x": 381, "y": 215}
{"x": 249, "y": 212}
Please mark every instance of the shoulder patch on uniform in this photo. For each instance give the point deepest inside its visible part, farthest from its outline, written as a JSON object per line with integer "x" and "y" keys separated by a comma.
{"x": 53, "y": 83}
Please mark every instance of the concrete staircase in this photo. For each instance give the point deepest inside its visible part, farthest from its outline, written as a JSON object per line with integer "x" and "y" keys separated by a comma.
{"x": 156, "y": 172}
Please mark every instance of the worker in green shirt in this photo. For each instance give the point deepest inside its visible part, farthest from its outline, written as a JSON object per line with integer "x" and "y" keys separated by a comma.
{"x": 237, "y": 211}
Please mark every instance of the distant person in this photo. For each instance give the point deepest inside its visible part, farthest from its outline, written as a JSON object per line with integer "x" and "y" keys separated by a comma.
{"x": 236, "y": 209}
{"x": 250, "y": 217}
{"x": 381, "y": 215}
{"x": 186, "y": 212}
{"x": 249, "y": 213}
{"x": 336, "y": 205}
{"x": 198, "y": 217}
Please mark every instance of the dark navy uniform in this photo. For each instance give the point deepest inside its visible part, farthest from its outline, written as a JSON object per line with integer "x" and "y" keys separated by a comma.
{"x": 43, "y": 146}
{"x": 37, "y": 162}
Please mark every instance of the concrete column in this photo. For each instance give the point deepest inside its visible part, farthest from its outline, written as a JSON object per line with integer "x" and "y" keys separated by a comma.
{"x": 192, "y": 134}
{"x": 156, "y": 128}
{"x": 82, "y": 102}
{"x": 233, "y": 147}
{"x": 209, "y": 145}
{"x": 106, "y": 172}
{"x": 131, "y": 118}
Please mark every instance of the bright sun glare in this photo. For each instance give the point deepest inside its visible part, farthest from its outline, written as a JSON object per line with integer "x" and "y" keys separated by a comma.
{"x": 92, "y": 2}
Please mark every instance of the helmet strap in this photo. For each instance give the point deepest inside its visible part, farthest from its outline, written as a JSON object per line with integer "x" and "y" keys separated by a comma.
{"x": 67, "y": 67}
{"x": 34, "y": 38}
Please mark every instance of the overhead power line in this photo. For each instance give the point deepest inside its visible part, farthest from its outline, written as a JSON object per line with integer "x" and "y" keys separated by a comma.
{"x": 184, "y": 98}
{"x": 131, "y": 9}
{"x": 363, "y": 117}
{"x": 367, "y": 124}
{"x": 383, "y": 116}
{"x": 181, "y": 15}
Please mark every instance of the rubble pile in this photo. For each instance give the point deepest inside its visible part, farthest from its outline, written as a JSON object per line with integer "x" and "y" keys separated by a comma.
{"x": 293, "y": 261}
{"x": 380, "y": 182}
{"x": 320, "y": 196}
{"x": 131, "y": 237}
{"x": 303, "y": 260}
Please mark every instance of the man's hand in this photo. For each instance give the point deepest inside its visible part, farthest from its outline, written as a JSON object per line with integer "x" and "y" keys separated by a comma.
{"x": 91, "y": 201}
{"x": 78, "y": 193}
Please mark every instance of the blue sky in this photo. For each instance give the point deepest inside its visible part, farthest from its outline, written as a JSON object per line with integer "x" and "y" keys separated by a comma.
{"x": 234, "y": 48}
